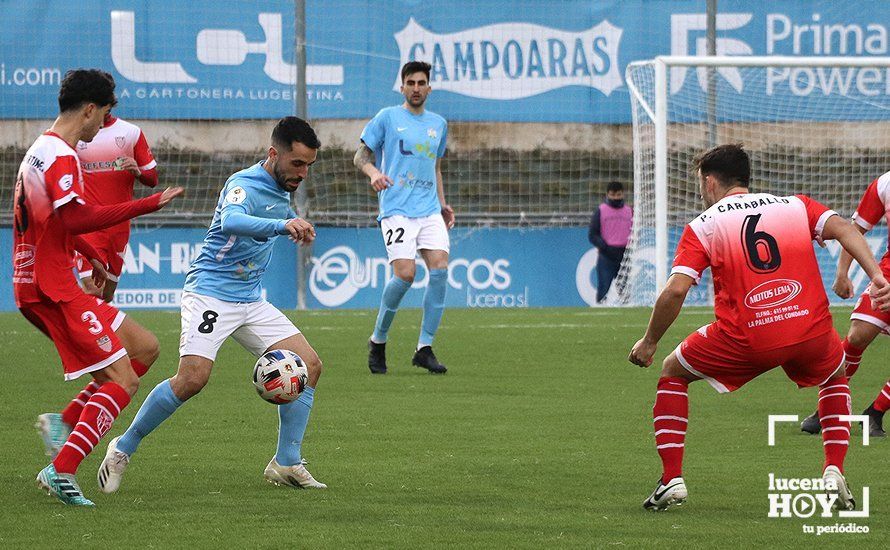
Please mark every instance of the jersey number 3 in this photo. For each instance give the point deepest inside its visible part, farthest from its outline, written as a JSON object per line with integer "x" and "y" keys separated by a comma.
{"x": 761, "y": 248}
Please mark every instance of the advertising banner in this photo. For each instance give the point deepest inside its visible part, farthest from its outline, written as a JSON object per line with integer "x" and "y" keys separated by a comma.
{"x": 348, "y": 269}
{"x": 155, "y": 265}
{"x": 541, "y": 61}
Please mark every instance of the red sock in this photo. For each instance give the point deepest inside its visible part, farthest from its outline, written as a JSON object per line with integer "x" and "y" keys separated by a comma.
{"x": 73, "y": 410}
{"x": 882, "y": 401}
{"x": 834, "y": 401}
{"x": 96, "y": 419}
{"x": 139, "y": 367}
{"x": 671, "y": 413}
{"x": 854, "y": 357}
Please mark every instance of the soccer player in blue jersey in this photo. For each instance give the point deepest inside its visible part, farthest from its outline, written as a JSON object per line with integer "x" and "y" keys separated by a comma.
{"x": 401, "y": 152}
{"x": 222, "y": 298}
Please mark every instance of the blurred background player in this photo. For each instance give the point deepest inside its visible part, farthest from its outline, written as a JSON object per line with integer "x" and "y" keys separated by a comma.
{"x": 91, "y": 336}
{"x": 111, "y": 163}
{"x": 409, "y": 142}
{"x": 222, "y": 297}
{"x": 609, "y": 232}
{"x": 866, "y": 321}
{"x": 743, "y": 343}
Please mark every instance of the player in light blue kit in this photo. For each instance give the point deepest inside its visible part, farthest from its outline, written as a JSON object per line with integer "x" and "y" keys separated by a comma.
{"x": 221, "y": 298}
{"x": 409, "y": 142}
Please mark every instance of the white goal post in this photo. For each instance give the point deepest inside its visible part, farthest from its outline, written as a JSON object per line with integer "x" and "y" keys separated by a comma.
{"x": 815, "y": 125}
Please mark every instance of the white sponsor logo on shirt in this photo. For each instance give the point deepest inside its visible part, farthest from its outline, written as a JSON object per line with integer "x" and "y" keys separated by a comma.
{"x": 773, "y": 293}
{"x": 401, "y": 129}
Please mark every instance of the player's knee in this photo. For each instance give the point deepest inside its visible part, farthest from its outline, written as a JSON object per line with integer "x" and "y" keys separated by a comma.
{"x": 438, "y": 263}
{"x": 671, "y": 367}
{"x": 404, "y": 270}
{"x": 859, "y": 338}
{"x": 188, "y": 387}
{"x": 129, "y": 382}
{"x": 188, "y": 383}
{"x": 152, "y": 350}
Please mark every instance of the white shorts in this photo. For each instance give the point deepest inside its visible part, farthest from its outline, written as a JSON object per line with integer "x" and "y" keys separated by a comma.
{"x": 207, "y": 322}
{"x": 404, "y": 236}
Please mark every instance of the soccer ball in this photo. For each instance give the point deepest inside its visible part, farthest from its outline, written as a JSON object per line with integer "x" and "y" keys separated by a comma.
{"x": 280, "y": 376}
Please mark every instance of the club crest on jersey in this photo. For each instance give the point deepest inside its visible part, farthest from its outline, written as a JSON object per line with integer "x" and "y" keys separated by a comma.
{"x": 104, "y": 343}
{"x": 120, "y": 141}
{"x": 236, "y": 195}
{"x": 432, "y": 133}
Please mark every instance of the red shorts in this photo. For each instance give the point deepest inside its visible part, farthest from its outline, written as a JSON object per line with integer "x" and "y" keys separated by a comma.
{"x": 111, "y": 245}
{"x": 864, "y": 312}
{"x": 82, "y": 330}
{"x": 727, "y": 366}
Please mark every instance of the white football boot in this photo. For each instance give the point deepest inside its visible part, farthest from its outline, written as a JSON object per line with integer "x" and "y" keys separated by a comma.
{"x": 112, "y": 468}
{"x": 293, "y": 476}
{"x": 845, "y": 500}
{"x": 667, "y": 494}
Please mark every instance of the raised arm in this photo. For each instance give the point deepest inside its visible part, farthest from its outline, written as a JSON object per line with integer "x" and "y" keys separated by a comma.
{"x": 235, "y": 222}
{"x": 81, "y": 218}
{"x": 148, "y": 178}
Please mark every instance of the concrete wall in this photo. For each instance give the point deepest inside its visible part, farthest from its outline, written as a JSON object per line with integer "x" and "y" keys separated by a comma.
{"x": 253, "y": 135}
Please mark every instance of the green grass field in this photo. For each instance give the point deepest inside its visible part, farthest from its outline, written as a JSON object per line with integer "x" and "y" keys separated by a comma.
{"x": 540, "y": 435}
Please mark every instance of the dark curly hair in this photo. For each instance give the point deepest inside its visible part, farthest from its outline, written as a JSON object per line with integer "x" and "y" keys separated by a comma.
{"x": 81, "y": 86}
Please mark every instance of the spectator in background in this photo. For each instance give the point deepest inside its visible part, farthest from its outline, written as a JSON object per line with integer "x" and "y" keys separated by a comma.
{"x": 609, "y": 232}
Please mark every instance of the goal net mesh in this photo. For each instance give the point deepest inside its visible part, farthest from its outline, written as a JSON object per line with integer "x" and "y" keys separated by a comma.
{"x": 819, "y": 130}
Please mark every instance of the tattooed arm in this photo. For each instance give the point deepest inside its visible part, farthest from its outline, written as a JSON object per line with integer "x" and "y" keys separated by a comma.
{"x": 364, "y": 160}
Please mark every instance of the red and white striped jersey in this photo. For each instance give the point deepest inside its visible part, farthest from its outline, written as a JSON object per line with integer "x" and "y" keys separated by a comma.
{"x": 103, "y": 183}
{"x": 874, "y": 205}
{"x": 768, "y": 292}
{"x": 43, "y": 255}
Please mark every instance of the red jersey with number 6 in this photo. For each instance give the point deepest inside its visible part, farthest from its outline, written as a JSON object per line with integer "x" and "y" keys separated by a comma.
{"x": 875, "y": 204}
{"x": 768, "y": 292}
{"x": 43, "y": 255}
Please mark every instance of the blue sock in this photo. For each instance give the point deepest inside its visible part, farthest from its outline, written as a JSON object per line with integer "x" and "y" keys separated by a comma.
{"x": 292, "y": 420}
{"x": 433, "y": 306}
{"x": 158, "y": 406}
{"x": 392, "y": 295}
